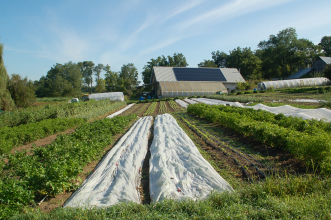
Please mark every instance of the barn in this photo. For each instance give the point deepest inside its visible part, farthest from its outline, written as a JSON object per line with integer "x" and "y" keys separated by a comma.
{"x": 185, "y": 81}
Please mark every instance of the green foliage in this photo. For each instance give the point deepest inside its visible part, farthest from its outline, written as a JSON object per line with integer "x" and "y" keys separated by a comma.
{"x": 207, "y": 63}
{"x": 163, "y": 107}
{"x": 23, "y": 134}
{"x": 175, "y": 107}
{"x": 283, "y": 53}
{"x": 86, "y": 110}
{"x": 326, "y": 45}
{"x": 101, "y": 86}
{"x": 22, "y": 91}
{"x": 6, "y": 101}
{"x": 275, "y": 198}
{"x": 150, "y": 109}
{"x": 61, "y": 80}
{"x": 246, "y": 61}
{"x": 177, "y": 60}
{"x": 54, "y": 169}
{"x": 308, "y": 140}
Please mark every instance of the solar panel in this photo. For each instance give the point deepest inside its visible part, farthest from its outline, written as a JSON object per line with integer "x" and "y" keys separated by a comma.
{"x": 198, "y": 74}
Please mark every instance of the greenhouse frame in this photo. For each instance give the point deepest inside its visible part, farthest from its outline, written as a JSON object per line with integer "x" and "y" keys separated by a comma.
{"x": 113, "y": 96}
{"x": 320, "y": 81}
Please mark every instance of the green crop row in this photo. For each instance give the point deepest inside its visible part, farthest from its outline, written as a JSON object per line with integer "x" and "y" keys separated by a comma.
{"x": 163, "y": 107}
{"x": 23, "y": 134}
{"x": 311, "y": 126}
{"x": 87, "y": 110}
{"x": 175, "y": 107}
{"x": 313, "y": 148}
{"x": 150, "y": 109}
{"x": 54, "y": 169}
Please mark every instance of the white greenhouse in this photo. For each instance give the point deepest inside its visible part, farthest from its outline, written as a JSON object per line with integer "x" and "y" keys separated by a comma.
{"x": 114, "y": 96}
{"x": 320, "y": 81}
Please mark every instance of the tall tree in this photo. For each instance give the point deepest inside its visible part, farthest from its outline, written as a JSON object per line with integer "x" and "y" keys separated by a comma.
{"x": 177, "y": 60}
{"x": 245, "y": 60}
{"x": 101, "y": 85}
{"x": 283, "y": 53}
{"x": 207, "y": 63}
{"x": 220, "y": 58}
{"x": 22, "y": 90}
{"x": 97, "y": 70}
{"x": 6, "y": 101}
{"x": 61, "y": 80}
{"x": 129, "y": 74}
{"x": 326, "y": 45}
{"x": 86, "y": 68}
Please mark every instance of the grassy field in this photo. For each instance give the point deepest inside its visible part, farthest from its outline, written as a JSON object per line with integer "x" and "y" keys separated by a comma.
{"x": 290, "y": 190}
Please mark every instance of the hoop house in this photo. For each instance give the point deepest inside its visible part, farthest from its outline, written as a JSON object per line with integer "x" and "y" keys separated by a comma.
{"x": 114, "y": 96}
{"x": 320, "y": 81}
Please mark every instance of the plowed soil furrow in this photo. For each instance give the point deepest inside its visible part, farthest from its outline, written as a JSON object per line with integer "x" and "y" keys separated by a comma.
{"x": 169, "y": 107}
{"x": 144, "y": 187}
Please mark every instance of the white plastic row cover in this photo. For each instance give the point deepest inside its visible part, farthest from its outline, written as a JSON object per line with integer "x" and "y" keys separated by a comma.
{"x": 287, "y": 110}
{"x": 120, "y": 111}
{"x": 181, "y": 103}
{"x": 177, "y": 169}
{"x": 117, "y": 176}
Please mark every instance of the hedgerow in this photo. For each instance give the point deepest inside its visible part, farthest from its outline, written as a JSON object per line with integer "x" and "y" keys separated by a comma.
{"x": 312, "y": 145}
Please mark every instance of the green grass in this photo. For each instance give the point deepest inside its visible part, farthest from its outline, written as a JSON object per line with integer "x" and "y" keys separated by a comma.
{"x": 54, "y": 99}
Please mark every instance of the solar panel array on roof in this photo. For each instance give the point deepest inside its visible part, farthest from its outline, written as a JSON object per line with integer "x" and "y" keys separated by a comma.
{"x": 198, "y": 74}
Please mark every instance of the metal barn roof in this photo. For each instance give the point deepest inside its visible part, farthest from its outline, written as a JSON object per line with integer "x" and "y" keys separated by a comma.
{"x": 232, "y": 75}
{"x": 326, "y": 60}
{"x": 226, "y": 75}
{"x": 298, "y": 74}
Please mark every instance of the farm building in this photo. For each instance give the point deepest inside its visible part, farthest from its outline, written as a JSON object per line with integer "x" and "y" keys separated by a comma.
{"x": 184, "y": 81}
{"x": 299, "y": 74}
{"x": 319, "y": 64}
{"x": 320, "y": 81}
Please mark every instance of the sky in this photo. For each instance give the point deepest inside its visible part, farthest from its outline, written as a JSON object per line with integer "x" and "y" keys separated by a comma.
{"x": 37, "y": 34}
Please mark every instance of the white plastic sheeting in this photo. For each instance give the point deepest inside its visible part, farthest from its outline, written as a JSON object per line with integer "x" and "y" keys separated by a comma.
{"x": 120, "y": 111}
{"x": 190, "y": 101}
{"x": 181, "y": 103}
{"x": 114, "y": 96}
{"x": 307, "y": 100}
{"x": 117, "y": 176}
{"x": 287, "y": 110}
{"x": 217, "y": 102}
{"x": 177, "y": 169}
{"x": 318, "y": 81}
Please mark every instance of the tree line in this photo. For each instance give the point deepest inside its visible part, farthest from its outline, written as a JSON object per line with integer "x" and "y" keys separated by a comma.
{"x": 277, "y": 57}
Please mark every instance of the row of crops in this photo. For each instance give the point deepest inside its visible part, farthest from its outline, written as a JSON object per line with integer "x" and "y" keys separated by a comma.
{"x": 86, "y": 110}
{"x": 308, "y": 140}
{"x": 26, "y": 177}
{"x": 15, "y": 136}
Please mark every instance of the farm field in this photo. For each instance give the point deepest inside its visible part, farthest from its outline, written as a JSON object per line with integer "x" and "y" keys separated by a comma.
{"x": 268, "y": 181}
